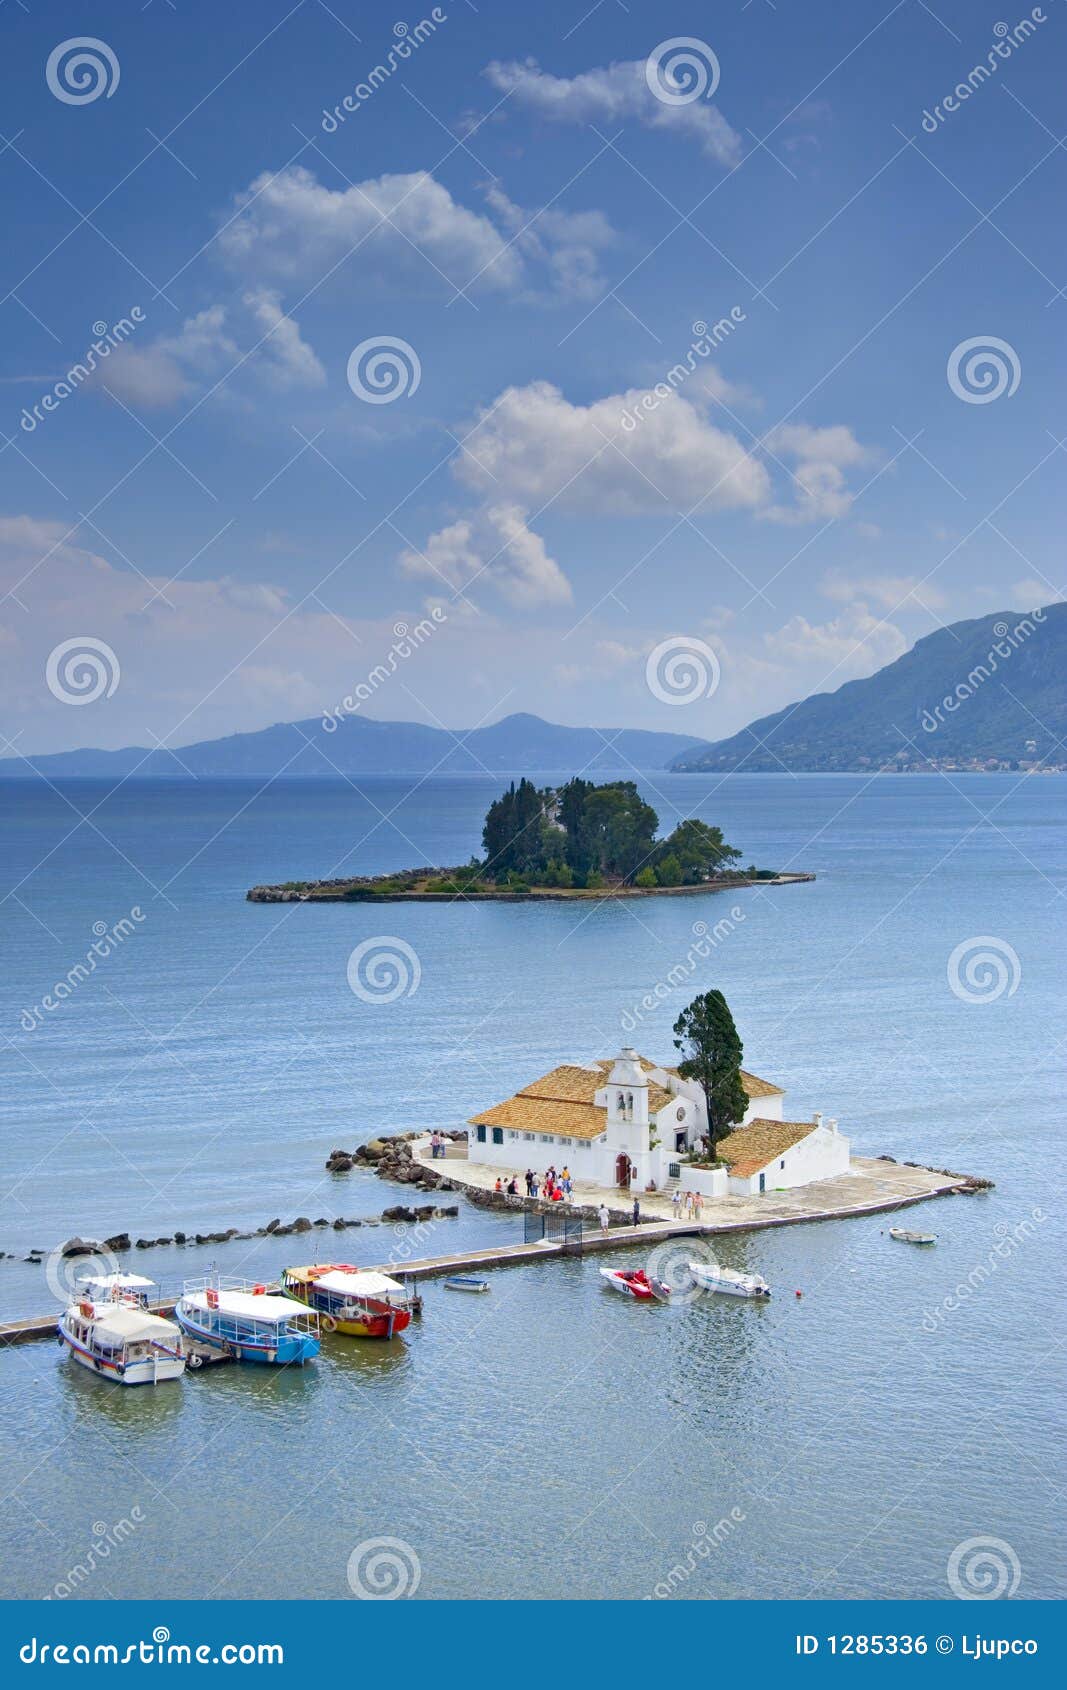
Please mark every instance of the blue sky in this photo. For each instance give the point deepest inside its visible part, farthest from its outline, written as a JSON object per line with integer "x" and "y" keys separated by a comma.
{"x": 241, "y": 532}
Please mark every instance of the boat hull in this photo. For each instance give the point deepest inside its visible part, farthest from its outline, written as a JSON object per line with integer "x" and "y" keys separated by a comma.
{"x": 383, "y": 1324}
{"x": 731, "y": 1288}
{"x": 637, "y": 1293}
{"x": 149, "y": 1372}
{"x": 285, "y": 1350}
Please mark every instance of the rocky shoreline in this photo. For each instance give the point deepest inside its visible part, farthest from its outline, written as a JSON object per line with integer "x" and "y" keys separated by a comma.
{"x": 121, "y": 1242}
{"x": 349, "y": 891}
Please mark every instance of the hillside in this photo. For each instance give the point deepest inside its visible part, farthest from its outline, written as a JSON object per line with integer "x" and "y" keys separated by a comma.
{"x": 992, "y": 690}
{"x": 518, "y": 744}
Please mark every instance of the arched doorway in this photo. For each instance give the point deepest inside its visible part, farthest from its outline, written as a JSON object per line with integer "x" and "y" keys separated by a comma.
{"x": 622, "y": 1170}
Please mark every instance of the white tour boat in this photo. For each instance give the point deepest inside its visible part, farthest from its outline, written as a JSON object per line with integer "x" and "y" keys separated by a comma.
{"x": 113, "y": 1334}
{"x": 711, "y": 1277}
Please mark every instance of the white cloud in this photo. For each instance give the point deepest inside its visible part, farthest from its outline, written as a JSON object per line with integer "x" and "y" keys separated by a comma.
{"x": 293, "y": 229}
{"x": 495, "y": 546}
{"x": 287, "y": 355}
{"x": 159, "y": 374}
{"x": 888, "y": 592}
{"x": 532, "y": 445}
{"x": 168, "y": 369}
{"x": 822, "y": 456}
{"x": 853, "y": 645}
{"x": 611, "y": 93}
{"x": 1033, "y": 594}
{"x": 208, "y": 657}
{"x": 567, "y": 243}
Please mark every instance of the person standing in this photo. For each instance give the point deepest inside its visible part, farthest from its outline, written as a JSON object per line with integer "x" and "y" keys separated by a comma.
{"x": 529, "y": 1182}
{"x": 603, "y": 1215}
{"x": 676, "y": 1203}
{"x": 637, "y": 1211}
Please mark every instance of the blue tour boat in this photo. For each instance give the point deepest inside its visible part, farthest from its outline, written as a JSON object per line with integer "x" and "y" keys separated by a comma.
{"x": 245, "y": 1321}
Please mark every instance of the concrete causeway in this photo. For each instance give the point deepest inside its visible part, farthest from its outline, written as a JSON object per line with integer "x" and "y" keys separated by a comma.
{"x": 871, "y": 1187}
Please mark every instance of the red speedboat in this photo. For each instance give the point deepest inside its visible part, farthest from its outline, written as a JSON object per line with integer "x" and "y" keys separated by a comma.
{"x": 634, "y": 1282}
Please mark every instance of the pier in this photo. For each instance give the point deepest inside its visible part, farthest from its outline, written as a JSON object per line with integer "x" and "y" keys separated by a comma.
{"x": 873, "y": 1187}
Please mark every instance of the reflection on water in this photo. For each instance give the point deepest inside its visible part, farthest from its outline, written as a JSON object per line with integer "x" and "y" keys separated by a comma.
{"x": 551, "y": 1438}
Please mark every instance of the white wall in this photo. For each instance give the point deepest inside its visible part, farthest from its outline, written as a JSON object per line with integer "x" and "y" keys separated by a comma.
{"x": 764, "y": 1108}
{"x": 517, "y": 1153}
{"x": 822, "y": 1155}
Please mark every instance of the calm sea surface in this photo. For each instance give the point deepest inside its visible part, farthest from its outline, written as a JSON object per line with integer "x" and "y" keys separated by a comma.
{"x": 549, "y": 1439}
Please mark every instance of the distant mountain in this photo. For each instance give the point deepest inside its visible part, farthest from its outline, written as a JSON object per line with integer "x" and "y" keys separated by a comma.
{"x": 992, "y": 688}
{"x": 517, "y": 745}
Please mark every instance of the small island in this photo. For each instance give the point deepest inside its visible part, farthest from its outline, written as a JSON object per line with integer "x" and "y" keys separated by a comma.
{"x": 579, "y": 840}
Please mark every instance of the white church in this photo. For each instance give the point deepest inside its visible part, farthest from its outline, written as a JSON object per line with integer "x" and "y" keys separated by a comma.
{"x": 631, "y": 1123}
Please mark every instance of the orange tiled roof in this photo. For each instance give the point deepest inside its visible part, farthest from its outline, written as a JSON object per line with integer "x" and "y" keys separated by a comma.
{"x": 752, "y": 1147}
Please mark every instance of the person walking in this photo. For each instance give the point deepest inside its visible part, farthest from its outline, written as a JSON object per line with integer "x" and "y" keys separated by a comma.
{"x": 637, "y": 1211}
{"x": 603, "y": 1215}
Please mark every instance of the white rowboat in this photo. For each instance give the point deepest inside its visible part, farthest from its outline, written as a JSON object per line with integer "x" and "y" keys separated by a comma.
{"x": 711, "y": 1277}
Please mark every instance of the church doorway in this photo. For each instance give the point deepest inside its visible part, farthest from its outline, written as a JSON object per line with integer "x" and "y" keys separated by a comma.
{"x": 622, "y": 1170}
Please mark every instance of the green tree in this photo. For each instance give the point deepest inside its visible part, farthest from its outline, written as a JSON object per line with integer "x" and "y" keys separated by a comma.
{"x": 647, "y": 877}
{"x": 621, "y": 828}
{"x": 518, "y": 836}
{"x": 669, "y": 870}
{"x": 700, "y": 849}
{"x": 711, "y": 1055}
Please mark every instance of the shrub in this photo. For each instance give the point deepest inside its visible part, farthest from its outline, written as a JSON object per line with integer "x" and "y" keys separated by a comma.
{"x": 669, "y": 871}
{"x": 647, "y": 877}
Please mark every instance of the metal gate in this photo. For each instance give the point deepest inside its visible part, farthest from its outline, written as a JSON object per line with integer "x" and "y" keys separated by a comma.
{"x": 554, "y": 1228}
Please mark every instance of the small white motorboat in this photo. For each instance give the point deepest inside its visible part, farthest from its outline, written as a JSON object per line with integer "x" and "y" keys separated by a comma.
{"x": 465, "y": 1282}
{"x": 635, "y": 1283}
{"x": 711, "y": 1277}
{"x": 904, "y": 1236}
{"x": 117, "y": 1338}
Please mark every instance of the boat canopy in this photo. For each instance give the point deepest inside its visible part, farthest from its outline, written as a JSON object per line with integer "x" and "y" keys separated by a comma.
{"x": 132, "y": 1326}
{"x": 356, "y": 1284}
{"x": 245, "y": 1305}
{"x": 117, "y": 1281}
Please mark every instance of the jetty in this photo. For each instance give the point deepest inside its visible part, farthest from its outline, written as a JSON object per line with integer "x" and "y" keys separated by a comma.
{"x": 570, "y": 1238}
{"x": 552, "y": 1232}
